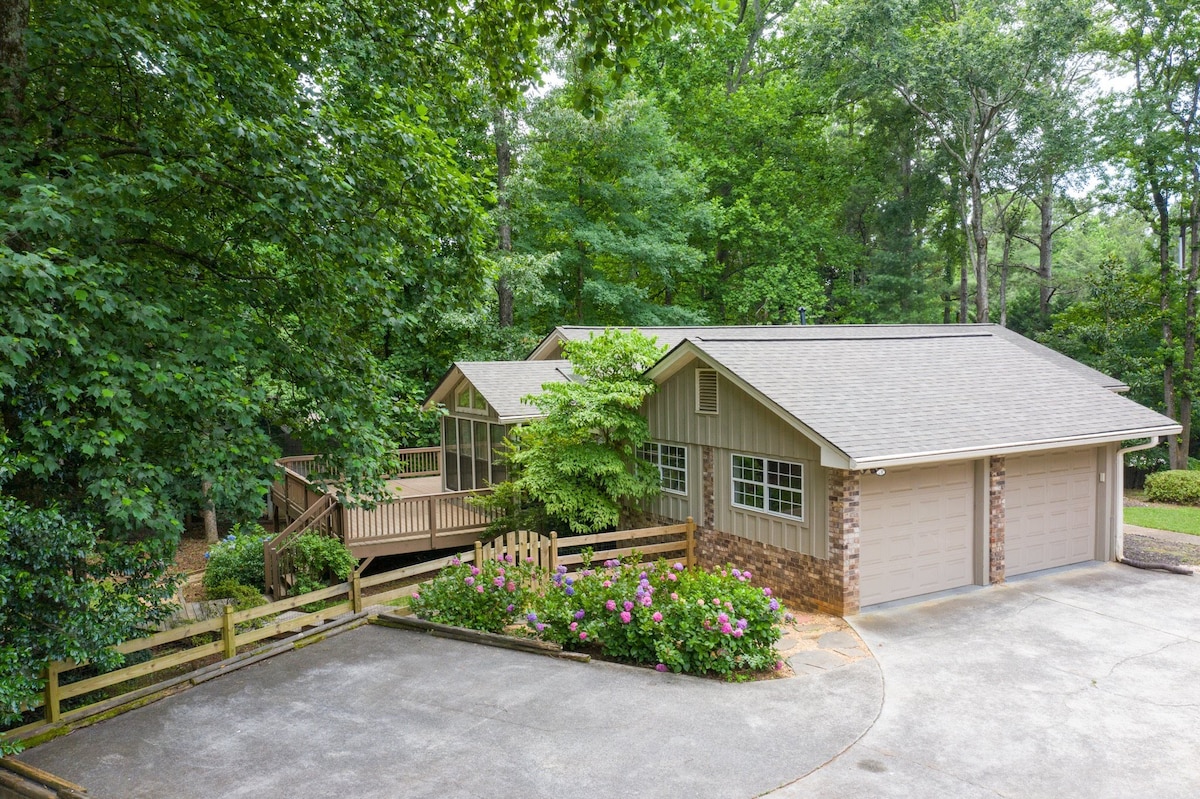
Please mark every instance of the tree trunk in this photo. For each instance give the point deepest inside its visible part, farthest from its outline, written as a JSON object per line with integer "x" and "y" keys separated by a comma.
{"x": 209, "y": 512}
{"x": 1166, "y": 279}
{"x": 1045, "y": 252}
{"x": 1189, "y": 335}
{"x": 500, "y": 129}
{"x": 14, "y": 19}
{"x": 965, "y": 266}
{"x": 1004, "y": 261}
{"x": 979, "y": 248}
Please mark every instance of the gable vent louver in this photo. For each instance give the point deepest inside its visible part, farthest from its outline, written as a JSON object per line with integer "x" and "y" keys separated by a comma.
{"x": 706, "y": 391}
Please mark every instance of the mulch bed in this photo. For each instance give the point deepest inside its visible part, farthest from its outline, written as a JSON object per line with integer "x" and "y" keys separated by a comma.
{"x": 1157, "y": 550}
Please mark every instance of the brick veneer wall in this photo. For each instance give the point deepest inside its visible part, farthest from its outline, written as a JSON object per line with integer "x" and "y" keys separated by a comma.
{"x": 996, "y": 479}
{"x": 802, "y": 581}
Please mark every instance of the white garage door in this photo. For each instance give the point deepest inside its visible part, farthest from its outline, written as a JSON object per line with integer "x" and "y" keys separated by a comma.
{"x": 917, "y": 532}
{"x": 1049, "y": 510}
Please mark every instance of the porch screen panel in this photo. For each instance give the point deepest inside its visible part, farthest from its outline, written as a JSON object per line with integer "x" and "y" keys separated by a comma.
{"x": 466, "y": 463}
{"x": 481, "y": 455}
{"x": 499, "y": 472}
{"x": 450, "y": 456}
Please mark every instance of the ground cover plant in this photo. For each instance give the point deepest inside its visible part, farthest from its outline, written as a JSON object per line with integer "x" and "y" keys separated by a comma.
{"x": 237, "y": 558}
{"x": 1179, "y": 520}
{"x": 663, "y": 615}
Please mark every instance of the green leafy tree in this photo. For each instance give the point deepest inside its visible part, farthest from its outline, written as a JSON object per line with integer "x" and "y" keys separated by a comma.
{"x": 67, "y": 594}
{"x": 578, "y": 465}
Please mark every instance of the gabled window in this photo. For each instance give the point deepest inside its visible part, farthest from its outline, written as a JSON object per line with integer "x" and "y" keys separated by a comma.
{"x": 671, "y": 461}
{"x": 768, "y": 485}
{"x": 470, "y": 400}
{"x": 706, "y": 391}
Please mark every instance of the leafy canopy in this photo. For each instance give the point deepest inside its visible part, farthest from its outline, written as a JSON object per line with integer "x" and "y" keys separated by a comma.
{"x": 578, "y": 464}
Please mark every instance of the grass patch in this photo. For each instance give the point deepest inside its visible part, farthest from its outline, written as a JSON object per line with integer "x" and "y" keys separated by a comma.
{"x": 1179, "y": 520}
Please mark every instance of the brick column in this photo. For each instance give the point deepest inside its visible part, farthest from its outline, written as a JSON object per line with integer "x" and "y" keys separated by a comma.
{"x": 844, "y": 491}
{"x": 708, "y": 488}
{"x": 996, "y": 519}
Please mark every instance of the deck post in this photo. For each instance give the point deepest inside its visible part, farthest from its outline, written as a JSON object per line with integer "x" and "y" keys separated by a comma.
{"x": 691, "y": 542}
{"x": 433, "y": 522}
{"x": 478, "y": 555}
{"x": 51, "y": 700}
{"x": 228, "y": 637}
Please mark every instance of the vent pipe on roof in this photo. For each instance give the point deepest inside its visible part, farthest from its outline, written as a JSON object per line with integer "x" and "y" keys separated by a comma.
{"x": 803, "y": 315}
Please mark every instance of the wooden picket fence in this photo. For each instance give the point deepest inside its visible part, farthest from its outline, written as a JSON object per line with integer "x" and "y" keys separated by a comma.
{"x": 676, "y": 542}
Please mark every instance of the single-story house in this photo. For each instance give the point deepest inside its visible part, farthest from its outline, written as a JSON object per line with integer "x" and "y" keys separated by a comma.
{"x": 859, "y": 464}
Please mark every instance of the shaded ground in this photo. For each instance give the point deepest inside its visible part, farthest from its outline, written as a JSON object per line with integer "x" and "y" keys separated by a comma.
{"x": 383, "y": 713}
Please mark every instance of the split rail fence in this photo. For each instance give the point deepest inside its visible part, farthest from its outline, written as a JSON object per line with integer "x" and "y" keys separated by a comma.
{"x": 675, "y": 542}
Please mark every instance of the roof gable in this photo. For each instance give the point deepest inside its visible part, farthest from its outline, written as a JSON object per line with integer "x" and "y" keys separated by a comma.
{"x": 502, "y": 383}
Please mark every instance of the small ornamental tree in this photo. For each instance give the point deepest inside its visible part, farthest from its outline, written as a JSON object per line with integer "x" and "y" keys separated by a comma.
{"x": 578, "y": 465}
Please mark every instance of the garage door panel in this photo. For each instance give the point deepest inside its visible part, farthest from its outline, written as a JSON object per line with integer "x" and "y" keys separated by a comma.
{"x": 1050, "y": 510}
{"x": 916, "y": 532}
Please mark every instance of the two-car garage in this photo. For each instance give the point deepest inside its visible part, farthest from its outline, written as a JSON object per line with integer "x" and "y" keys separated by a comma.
{"x": 922, "y": 529}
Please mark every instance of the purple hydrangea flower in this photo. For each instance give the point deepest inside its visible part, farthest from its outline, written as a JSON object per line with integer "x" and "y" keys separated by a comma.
{"x": 510, "y": 608}
{"x": 531, "y": 617}
{"x": 479, "y": 588}
{"x": 722, "y": 618}
{"x": 646, "y": 601}
{"x": 678, "y": 567}
{"x": 741, "y": 623}
{"x": 562, "y": 569}
{"x": 671, "y": 576}
{"x": 454, "y": 561}
{"x": 610, "y": 604}
{"x": 737, "y": 573}
{"x": 570, "y": 591}
{"x": 539, "y": 626}
{"x": 738, "y": 632}
{"x": 628, "y": 605}
{"x": 499, "y": 581}
{"x": 626, "y": 617}
{"x": 469, "y": 580}
{"x": 661, "y": 667}
{"x": 474, "y": 570}
{"x": 579, "y": 614}
{"x": 774, "y": 604}
{"x": 766, "y": 591}
{"x": 726, "y": 628}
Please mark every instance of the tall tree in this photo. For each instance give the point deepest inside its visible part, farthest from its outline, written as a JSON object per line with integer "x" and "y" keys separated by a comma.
{"x": 964, "y": 68}
{"x": 1156, "y": 138}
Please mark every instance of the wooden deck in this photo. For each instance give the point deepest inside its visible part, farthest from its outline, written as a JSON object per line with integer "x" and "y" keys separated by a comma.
{"x": 419, "y": 517}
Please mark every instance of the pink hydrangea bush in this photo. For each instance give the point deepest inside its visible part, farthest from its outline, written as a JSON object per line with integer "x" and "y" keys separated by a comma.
{"x": 489, "y": 597}
{"x": 686, "y": 620}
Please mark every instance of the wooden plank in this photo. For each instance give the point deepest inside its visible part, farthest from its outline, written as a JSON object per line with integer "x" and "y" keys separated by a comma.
{"x": 37, "y": 775}
{"x": 620, "y": 535}
{"x": 291, "y": 602}
{"x": 414, "y": 570}
{"x": 649, "y": 549}
{"x": 140, "y": 670}
{"x": 291, "y": 625}
{"x": 393, "y": 593}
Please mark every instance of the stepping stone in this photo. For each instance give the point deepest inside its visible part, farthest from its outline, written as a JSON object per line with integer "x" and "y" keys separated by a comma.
{"x": 837, "y": 640}
{"x": 818, "y": 659}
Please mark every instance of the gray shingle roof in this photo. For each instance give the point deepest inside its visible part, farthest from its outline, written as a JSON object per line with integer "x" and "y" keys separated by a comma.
{"x": 894, "y": 392}
{"x": 671, "y": 336}
{"x": 504, "y": 383}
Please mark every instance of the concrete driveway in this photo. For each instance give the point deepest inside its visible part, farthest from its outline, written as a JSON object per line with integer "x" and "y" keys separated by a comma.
{"x": 1084, "y": 683}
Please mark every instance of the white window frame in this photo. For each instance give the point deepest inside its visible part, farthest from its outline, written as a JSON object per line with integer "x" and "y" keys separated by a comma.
{"x": 472, "y": 394}
{"x": 651, "y": 452}
{"x": 766, "y": 486}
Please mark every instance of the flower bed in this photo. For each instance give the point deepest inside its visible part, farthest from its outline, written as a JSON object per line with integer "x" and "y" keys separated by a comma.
{"x": 666, "y": 616}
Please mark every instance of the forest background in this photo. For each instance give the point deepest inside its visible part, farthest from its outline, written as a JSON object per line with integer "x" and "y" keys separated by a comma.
{"x": 224, "y": 220}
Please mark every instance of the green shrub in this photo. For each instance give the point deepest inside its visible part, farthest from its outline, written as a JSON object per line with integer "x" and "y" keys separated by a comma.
{"x": 320, "y": 560}
{"x": 683, "y": 620}
{"x": 244, "y": 597}
{"x": 1177, "y": 486}
{"x": 237, "y": 558}
{"x": 484, "y": 598}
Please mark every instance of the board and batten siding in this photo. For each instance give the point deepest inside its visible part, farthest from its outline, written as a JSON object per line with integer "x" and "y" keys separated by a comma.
{"x": 743, "y": 426}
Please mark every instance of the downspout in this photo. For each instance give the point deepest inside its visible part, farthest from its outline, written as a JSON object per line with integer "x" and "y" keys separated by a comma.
{"x": 1120, "y": 498}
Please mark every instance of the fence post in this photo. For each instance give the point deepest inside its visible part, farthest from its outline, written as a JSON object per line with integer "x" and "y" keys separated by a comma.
{"x": 553, "y": 550}
{"x": 228, "y": 637}
{"x": 691, "y": 542}
{"x": 356, "y": 593}
{"x": 478, "y": 555}
{"x": 51, "y": 698}
{"x": 432, "y": 522}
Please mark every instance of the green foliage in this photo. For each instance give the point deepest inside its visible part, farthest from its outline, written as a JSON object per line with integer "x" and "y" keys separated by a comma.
{"x": 578, "y": 465}
{"x": 684, "y": 620}
{"x": 66, "y": 594}
{"x": 244, "y": 597}
{"x": 320, "y": 560}
{"x": 487, "y": 598}
{"x": 237, "y": 558}
{"x": 1177, "y": 486}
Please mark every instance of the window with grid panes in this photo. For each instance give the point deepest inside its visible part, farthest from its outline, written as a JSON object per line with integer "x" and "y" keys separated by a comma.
{"x": 768, "y": 485}
{"x": 671, "y": 462}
